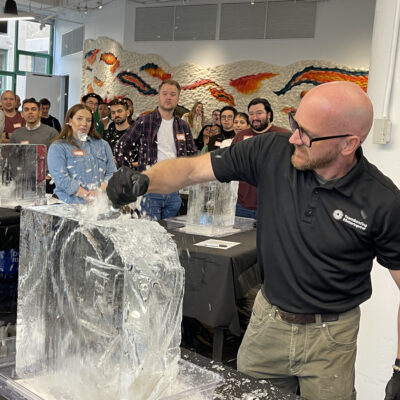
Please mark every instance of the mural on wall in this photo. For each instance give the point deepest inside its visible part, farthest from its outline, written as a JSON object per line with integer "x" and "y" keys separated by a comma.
{"x": 111, "y": 71}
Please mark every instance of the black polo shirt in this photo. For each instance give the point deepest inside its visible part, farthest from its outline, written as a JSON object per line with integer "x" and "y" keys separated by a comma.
{"x": 316, "y": 242}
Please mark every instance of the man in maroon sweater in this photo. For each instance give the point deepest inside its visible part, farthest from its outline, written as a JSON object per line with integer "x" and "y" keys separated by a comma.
{"x": 261, "y": 117}
{"x": 13, "y": 119}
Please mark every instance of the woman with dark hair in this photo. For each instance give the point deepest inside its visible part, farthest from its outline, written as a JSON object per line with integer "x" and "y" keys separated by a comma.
{"x": 204, "y": 136}
{"x": 214, "y": 130}
{"x": 79, "y": 161}
{"x": 195, "y": 119}
{"x": 241, "y": 122}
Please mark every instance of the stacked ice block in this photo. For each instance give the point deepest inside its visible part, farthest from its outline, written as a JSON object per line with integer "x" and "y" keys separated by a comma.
{"x": 211, "y": 208}
{"x": 22, "y": 174}
{"x": 99, "y": 306}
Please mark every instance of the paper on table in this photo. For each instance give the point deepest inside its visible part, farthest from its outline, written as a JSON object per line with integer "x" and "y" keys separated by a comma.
{"x": 217, "y": 244}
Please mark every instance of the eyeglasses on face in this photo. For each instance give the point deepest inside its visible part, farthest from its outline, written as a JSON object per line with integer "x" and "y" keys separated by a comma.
{"x": 305, "y": 137}
{"x": 227, "y": 117}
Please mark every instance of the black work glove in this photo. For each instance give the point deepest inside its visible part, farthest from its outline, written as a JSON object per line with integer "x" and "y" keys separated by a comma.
{"x": 393, "y": 387}
{"x": 125, "y": 186}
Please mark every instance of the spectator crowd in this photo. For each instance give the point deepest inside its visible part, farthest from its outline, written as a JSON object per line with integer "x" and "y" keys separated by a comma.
{"x": 97, "y": 137}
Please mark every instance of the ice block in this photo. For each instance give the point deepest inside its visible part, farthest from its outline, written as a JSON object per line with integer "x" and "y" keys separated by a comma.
{"x": 22, "y": 174}
{"x": 99, "y": 305}
{"x": 211, "y": 207}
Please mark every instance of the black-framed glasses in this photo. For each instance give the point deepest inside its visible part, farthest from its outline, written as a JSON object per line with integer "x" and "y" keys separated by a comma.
{"x": 305, "y": 137}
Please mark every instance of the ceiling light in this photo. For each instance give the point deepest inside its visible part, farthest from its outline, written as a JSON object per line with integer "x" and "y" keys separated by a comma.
{"x": 10, "y": 7}
{"x": 11, "y": 12}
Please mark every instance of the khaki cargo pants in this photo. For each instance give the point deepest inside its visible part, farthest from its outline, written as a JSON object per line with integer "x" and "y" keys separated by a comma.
{"x": 318, "y": 358}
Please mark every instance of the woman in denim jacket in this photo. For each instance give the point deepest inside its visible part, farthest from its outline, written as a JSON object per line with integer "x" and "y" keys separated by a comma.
{"x": 79, "y": 161}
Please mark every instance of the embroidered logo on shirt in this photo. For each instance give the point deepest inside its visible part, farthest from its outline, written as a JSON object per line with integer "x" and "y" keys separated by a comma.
{"x": 339, "y": 215}
{"x": 78, "y": 153}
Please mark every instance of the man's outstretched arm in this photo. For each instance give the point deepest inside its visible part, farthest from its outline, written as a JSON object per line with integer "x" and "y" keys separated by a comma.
{"x": 171, "y": 175}
{"x": 165, "y": 177}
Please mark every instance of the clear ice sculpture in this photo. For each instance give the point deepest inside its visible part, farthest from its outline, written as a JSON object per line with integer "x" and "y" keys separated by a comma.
{"x": 99, "y": 306}
{"x": 23, "y": 174}
{"x": 211, "y": 208}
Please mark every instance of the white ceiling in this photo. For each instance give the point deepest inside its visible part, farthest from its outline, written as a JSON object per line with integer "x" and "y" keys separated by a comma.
{"x": 52, "y": 9}
{"x": 43, "y": 8}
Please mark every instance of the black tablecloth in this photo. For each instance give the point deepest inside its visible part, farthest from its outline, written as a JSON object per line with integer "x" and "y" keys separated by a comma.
{"x": 216, "y": 278}
{"x": 9, "y": 229}
{"x": 9, "y": 239}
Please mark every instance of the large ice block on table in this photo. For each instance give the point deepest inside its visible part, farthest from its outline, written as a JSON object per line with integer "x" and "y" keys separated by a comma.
{"x": 99, "y": 305}
{"x": 211, "y": 207}
{"x": 22, "y": 174}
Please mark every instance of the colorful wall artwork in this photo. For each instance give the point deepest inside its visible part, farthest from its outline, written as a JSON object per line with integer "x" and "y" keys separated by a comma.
{"x": 111, "y": 71}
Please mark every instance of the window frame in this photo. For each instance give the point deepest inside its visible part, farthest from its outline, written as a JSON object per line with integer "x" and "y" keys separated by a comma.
{"x": 17, "y": 52}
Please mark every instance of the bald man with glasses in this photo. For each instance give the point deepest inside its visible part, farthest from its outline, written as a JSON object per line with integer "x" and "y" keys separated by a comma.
{"x": 325, "y": 213}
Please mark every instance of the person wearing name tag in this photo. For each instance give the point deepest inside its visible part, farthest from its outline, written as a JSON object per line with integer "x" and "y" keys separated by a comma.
{"x": 79, "y": 161}
{"x": 228, "y": 114}
{"x": 158, "y": 136}
{"x": 12, "y": 118}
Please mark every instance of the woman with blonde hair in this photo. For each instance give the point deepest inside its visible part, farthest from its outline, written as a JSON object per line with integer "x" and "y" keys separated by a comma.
{"x": 195, "y": 119}
{"x": 79, "y": 160}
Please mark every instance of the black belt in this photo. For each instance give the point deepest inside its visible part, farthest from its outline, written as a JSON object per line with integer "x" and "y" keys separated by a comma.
{"x": 302, "y": 318}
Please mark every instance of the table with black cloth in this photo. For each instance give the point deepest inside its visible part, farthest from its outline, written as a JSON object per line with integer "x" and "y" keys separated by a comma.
{"x": 9, "y": 228}
{"x": 9, "y": 239}
{"x": 215, "y": 279}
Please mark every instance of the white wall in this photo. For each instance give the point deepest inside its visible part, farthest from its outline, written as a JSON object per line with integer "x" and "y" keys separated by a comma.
{"x": 342, "y": 35}
{"x": 70, "y": 65}
{"x": 377, "y": 344}
{"x": 109, "y": 21}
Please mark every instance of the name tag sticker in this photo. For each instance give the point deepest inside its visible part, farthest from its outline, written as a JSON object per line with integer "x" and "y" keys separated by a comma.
{"x": 24, "y": 142}
{"x": 180, "y": 136}
{"x": 78, "y": 153}
{"x": 247, "y": 137}
{"x": 217, "y": 144}
{"x": 17, "y": 125}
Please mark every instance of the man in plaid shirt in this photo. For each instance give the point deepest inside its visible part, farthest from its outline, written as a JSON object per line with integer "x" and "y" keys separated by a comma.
{"x": 158, "y": 136}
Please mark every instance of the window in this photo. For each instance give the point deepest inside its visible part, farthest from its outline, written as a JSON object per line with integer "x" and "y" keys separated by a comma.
{"x": 34, "y": 63}
{"x": 3, "y": 27}
{"x": 3, "y": 66}
{"x": 29, "y": 49}
{"x": 3, "y": 59}
{"x": 33, "y": 39}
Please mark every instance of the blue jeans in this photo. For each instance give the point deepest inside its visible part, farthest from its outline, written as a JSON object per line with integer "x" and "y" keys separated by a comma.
{"x": 244, "y": 212}
{"x": 159, "y": 206}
